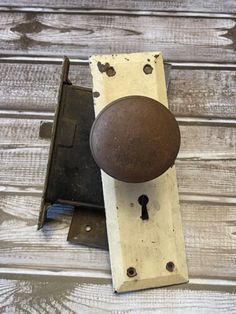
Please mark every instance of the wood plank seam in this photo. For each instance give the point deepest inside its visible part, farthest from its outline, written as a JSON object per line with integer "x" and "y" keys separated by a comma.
{"x": 200, "y": 14}
{"x": 79, "y": 61}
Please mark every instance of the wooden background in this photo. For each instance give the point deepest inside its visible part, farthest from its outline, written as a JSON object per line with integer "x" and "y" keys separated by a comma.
{"x": 40, "y": 272}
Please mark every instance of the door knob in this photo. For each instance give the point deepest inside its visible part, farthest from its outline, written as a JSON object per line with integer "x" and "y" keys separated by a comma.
{"x": 135, "y": 139}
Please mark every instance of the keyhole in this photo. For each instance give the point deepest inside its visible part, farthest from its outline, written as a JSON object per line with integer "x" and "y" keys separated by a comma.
{"x": 143, "y": 200}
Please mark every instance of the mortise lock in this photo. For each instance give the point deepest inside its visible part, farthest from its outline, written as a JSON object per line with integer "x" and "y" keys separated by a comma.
{"x": 113, "y": 151}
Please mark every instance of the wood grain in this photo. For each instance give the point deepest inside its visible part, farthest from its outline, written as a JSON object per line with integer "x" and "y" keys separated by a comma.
{"x": 32, "y": 294}
{"x": 209, "y": 231}
{"x": 179, "y": 38}
{"x": 152, "y": 5}
{"x": 192, "y": 92}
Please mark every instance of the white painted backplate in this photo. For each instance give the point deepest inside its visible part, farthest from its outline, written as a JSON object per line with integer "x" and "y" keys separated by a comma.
{"x": 146, "y": 245}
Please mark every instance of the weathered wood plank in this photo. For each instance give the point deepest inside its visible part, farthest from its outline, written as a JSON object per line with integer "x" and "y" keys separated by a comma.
{"x": 197, "y": 142}
{"x": 209, "y": 238}
{"x": 21, "y": 133}
{"x": 192, "y": 92}
{"x": 204, "y": 39}
{"x": 32, "y": 294}
{"x": 27, "y": 167}
{"x": 29, "y": 86}
{"x": 206, "y": 93}
{"x": 152, "y": 5}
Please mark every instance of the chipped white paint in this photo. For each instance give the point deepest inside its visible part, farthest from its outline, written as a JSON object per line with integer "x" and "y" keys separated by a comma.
{"x": 145, "y": 245}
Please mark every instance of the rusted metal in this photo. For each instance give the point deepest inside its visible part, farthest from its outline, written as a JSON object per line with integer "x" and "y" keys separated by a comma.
{"x": 73, "y": 178}
{"x": 106, "y": 68}
{"x": 45, "y": 130}
{"x": 88, "y": 227}
{"x": 135, "y": 139}
{"x": 131, "y": 272}
{"x": 147, "y": 69}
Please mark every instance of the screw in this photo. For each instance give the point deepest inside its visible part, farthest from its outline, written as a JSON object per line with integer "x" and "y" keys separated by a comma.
{"x": 147, "y": 69}
{"x": 131, "y": 272}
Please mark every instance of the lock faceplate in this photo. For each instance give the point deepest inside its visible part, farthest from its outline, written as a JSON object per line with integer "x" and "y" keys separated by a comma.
{"x": 73, "y": 177}
{"x": 144, "y": 253}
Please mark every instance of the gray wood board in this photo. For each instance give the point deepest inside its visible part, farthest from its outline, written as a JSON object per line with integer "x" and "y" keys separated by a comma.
{"x": 209, "y": 141}
{"x": 179, "y": 38}
{"x": 209, "y": 231}
{"x": 226, "y": 6}
{"x": 33, "y": 294}
{"x": 209, "y": 93}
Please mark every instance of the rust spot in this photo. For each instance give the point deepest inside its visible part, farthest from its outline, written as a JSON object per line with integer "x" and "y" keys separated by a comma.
{"x": 127, "y": 59}
{"x": 147, "y": 69}
{"x": 102, "y": 67}
{"x": 106, "y": 68}
{"x": 110, "y": 71}
{"x": 96, "y": 94}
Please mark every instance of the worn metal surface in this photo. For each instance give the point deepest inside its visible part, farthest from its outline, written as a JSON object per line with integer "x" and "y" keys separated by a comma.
{"x": 135, "y": 139}
{"x": 45, "y": 203}
{"x": 45, "y": 129}
{"x": 72, "y": 174}
{"x": 88, "y": 227}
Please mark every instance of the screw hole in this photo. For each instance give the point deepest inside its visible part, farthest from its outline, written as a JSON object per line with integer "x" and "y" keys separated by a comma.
{"x": 147, "y": 69}
{"x": 96, "y": 94}
{"x": 88, "y": 228}
{"x": 131, "y": 272}
{"x": 170, "y": 266}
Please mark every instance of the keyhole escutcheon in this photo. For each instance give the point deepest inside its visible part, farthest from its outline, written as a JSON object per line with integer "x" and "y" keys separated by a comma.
{"x": 143, "y": 200}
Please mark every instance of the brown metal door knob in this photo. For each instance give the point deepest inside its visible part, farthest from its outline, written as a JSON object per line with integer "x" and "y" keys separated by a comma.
{"x": 135, "y": 139}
